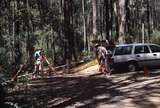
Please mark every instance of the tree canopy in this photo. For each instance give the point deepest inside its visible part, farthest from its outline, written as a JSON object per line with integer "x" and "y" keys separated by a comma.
{"x": 65, "y": 29}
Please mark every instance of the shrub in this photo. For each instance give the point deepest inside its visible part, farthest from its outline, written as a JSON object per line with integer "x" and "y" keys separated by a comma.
{"x": 155, "y": 37}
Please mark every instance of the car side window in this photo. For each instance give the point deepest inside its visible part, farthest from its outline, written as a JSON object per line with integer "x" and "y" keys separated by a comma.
{"x": 154, "y": 48}
{"x": 141, "y": 49}
{"x": 123, "y": 50}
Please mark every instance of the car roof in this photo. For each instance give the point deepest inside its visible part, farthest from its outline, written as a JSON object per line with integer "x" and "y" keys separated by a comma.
{"x": 135, "y": 44}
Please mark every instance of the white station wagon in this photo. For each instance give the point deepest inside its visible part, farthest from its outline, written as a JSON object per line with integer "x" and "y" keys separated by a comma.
{"x": 132, "y": 56}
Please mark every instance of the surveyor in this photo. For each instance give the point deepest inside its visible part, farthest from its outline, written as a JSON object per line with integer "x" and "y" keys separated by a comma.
{"x": 38, "y": 65}
{"x": 108, "y": 61}
{"x": 96, "y": 52}
{"x": 102, "y": 54}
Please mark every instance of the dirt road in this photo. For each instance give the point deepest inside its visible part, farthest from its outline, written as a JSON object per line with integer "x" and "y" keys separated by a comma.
{"x": 89, "y": 89}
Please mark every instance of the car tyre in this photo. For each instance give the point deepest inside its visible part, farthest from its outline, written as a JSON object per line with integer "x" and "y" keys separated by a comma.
{"x": 132, "y": 67}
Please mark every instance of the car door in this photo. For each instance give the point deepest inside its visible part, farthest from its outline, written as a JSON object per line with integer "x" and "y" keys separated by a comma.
{"x": 143, "y": 55}
{"x": 155, "y": 53}
{"x": 122, "y": 54}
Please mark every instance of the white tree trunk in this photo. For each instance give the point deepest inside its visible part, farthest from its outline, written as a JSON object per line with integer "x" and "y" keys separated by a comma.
{"x": 94, "y": 7}
{"x": 121, "y": 20}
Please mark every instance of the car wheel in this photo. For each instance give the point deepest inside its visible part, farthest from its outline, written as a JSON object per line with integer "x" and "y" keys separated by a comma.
{"x": 132, "y": 67}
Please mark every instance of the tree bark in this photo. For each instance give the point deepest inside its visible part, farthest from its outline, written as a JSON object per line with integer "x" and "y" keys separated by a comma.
{"x": 121, "y": 20}
{"x": 84, "y": 24}
{"x": 94, "y": 10}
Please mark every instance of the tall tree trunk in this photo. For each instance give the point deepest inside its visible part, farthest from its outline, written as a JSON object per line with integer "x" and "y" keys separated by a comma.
{"x": 143, "y": 22}
{"x": 67, "y": 32}
{"x": 94, "y": 9}
{"x": 30, "y": 49}
{"x": 121, "y": 20}
{"x": 111, "y": 20}
{"x": 84, "y": 24}
{"x": 148, "y": 19}
{"x": 88, "y": 30}
{"x": 127, "y": 17}
{"x": 107, "y": 18}
{"x": 71, "y": 32}
{"x": 13, "y": 29}
{"x": 116, "y": 19}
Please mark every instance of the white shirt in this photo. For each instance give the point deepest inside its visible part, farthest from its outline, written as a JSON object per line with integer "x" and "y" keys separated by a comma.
{"x": 37, "y": 53}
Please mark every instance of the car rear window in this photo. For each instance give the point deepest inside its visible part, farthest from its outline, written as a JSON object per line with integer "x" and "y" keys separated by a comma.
{"x": 154, "y": 48}
{"x": 123, "y": 50}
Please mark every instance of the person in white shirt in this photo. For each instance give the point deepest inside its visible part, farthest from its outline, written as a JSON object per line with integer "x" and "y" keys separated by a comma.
{"x": 38, "y": 66}
{"x": 102, "y": 54}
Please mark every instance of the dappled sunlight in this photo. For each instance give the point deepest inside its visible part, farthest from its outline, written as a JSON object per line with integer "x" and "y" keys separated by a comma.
{"x": 80, "y": 53}
{"x": 93, "y": 91}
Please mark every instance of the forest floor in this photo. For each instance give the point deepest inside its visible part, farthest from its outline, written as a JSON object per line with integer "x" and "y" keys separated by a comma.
{"x": 90, "y": 89}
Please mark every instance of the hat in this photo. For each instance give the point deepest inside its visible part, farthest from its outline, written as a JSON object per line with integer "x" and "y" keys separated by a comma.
{"x": 96, "y": 45}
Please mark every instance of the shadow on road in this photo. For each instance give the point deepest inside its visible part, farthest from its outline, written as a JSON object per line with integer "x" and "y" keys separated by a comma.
{"x": 89, "y": 92}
